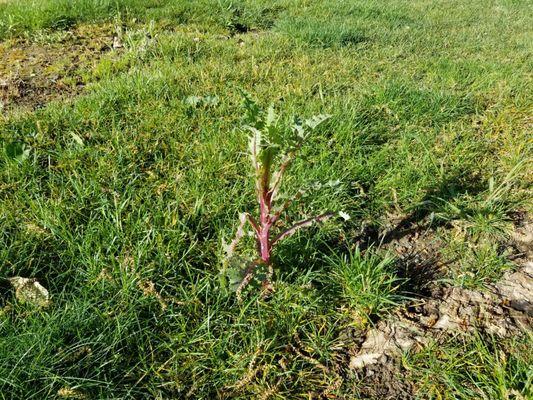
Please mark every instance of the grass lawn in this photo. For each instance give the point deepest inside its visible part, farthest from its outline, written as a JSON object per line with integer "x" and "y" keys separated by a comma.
{"x": 116, "y": 194}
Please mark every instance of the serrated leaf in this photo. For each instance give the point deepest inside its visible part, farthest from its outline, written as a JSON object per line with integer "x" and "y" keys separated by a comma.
{"x": 206, "y": 101}
{"x": 193, "y": 101}
{"x": 211, "y": 100}
{"x": 252, "y": 111}
{"x": 271, "y": 116}
{"x": 299, "y": 130}
{"x": 254, "y": 144}
{"x": 316, "y": 120}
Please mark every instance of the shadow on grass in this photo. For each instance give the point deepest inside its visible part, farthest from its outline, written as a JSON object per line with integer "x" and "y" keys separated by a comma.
{"x": 6, "y": 292}
{"x": 412, "y": 239}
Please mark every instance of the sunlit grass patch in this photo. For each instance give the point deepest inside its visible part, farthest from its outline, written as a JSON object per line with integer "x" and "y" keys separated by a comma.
{"x": 473, "y": 368}
{"x": 117, "y": 199}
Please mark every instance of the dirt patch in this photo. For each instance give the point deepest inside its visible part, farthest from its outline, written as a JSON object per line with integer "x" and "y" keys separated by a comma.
{"x": 50, "y": 66}
{"x": 416, "y": 247}
{"x": 384, "y": 381}
{"x": 522, "y": 238}
{"x": 504, "y": 309}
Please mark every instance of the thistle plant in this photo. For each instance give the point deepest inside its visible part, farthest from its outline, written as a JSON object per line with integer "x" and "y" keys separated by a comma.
{"x": 272, "y": 149}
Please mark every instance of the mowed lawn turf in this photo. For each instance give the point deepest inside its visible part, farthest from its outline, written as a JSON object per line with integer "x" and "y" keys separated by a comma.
{"x": 117, "y": 199}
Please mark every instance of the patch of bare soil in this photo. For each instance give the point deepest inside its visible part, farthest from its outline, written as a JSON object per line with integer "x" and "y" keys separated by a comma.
{"x": 416, "y": 246}
{"x": 51, "y": 66}
{"x": 505, "y": 309}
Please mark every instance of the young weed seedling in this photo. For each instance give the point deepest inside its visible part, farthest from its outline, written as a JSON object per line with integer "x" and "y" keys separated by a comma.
{"x": 272, "y": 150}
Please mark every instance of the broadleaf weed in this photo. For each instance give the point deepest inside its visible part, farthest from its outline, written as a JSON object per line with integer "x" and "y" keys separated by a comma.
{"x": 272, "y": 150}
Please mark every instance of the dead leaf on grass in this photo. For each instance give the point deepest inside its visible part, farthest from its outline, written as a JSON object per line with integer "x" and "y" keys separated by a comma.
{"x": 29, "y": 290}
{"x": 69, "y": 393}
